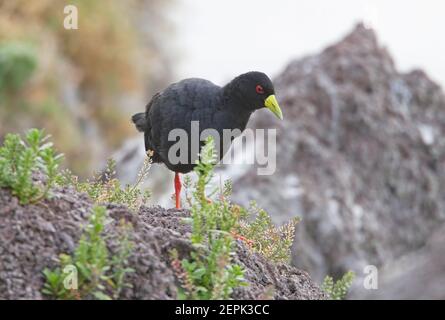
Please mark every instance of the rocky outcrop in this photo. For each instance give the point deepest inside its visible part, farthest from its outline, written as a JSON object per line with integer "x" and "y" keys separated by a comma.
{"x": 361, "y": 157}
{"x": 416, "y": 275}
{"x": 32, "y": 237}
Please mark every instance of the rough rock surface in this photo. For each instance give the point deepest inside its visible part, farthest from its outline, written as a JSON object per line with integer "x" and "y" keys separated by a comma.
{"x": 31, "y": 238}
{"x": 417, "y": 275}
{"x": 361, "y": 157}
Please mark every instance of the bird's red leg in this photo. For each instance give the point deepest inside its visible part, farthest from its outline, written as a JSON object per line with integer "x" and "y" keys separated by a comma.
{"x": 178, "y": 190}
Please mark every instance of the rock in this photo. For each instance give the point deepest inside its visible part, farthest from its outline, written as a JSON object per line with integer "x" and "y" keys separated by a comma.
{"x": 360, "y": 157}
{"x": 32, "y": 237}
{"x": 416, "y": 275}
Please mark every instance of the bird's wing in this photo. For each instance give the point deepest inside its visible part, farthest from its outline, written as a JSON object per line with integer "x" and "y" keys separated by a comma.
{"x": 178, "y": 105}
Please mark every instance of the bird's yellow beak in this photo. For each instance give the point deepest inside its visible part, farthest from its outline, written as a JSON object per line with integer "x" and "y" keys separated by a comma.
{"x": 271, "y": 103}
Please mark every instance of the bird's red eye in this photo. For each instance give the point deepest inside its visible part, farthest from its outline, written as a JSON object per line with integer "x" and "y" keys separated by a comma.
{"x": 259, "y": 89}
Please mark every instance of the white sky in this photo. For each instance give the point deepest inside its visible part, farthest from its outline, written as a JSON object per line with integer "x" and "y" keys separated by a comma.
{"x": 221, "y": 39}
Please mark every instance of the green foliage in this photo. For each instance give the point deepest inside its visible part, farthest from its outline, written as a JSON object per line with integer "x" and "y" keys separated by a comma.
{"x": 210, "y": 272}
{"x": 21, "y": 159}
{"x": 98, "y": 275}
{"x": 17, "y": 63}
{"x": 263, "y": 236}
{"x": 339, "y": 289}
{"x": 105, "y": 188}
{"x": 119, "y": 262}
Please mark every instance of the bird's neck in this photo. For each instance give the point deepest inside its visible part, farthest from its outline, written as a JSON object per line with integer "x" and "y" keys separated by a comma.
{"x": 234, "y": 98}
{"x": 236, "y": 108}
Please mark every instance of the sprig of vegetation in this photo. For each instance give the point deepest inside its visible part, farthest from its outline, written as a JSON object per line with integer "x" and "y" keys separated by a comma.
{"x": 21, "y": 159}
{"x": 337, "y": 290}
{"x": 209, "y": 273}
{"x": 97, "y": 275}
{"x": 260, "y": 233}
{"x": 119, "y": 261}
{"x": 187, "y": 288}
{"x": 106, "y": 188}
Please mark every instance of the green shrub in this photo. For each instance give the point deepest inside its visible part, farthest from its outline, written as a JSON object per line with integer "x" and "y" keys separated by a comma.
{"x": 98, "y": 275}
{"x": 21, "y": 159}
{"x": 105, "y": 188}
{"x": 339, "y": 289}
{"x": 17, "y": 63}
{"x": 259, "y": 232}
{"x": 209, "y": 273}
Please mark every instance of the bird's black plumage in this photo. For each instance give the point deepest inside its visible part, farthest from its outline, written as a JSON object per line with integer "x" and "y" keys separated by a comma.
{"x": 215, "y": 107}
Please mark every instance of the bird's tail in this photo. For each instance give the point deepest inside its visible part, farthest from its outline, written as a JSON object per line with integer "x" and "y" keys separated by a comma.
{"x": 140, "y": 121}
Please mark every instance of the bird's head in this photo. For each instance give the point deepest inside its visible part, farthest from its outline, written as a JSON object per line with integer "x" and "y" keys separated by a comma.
{"x": 256, "y": 91}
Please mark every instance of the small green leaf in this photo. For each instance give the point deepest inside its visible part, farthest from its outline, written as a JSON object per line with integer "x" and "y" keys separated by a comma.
{"x": 101, "y": 296}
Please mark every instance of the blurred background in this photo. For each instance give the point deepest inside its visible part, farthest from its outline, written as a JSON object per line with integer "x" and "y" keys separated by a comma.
{"x": 361, "y": 152}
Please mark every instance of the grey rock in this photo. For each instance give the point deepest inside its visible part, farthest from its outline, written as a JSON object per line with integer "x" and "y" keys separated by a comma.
{"x": 361, "y": 157}
{"x": 28, "y": 245}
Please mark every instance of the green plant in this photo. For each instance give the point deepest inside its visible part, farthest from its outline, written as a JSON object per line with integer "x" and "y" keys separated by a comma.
{"x": 105, "y": 188}
{"x": 209, "y": 273}
{"x": 259, "y": 232}
{"x": 21, "y": 159}
{"x": 337, "y": 290}
{"x": 119, "y": 261}
{"x": 98, "y": 275}
{"x": 17, "y": 63}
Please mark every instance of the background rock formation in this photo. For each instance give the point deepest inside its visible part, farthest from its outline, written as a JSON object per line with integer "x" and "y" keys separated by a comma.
{"x": 417, "y": 275}
{"x": 361, "y": 158}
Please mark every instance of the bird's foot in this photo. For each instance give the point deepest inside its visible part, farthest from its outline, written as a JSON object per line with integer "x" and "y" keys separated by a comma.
{"x": 178, "y": 187}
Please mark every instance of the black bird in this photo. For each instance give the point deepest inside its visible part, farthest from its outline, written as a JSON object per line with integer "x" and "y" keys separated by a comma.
{"x": 215, "y": 107}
